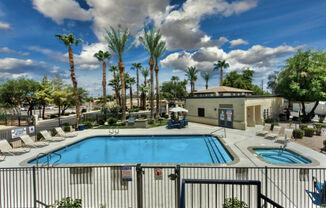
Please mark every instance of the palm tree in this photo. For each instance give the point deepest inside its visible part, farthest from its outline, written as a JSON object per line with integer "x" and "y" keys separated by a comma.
{"x": 114, "y": 69}
{"x": 191, "y": 73}
{"x": 220, "y": 65}
{"x": 102, "y": 56}
{"x": 137, "y": 66}
{"x": 69, "y": 40}
{"x": 130, "y": 81}
{"x": 206, "y": 77}
{"x": 272, "y": 81}
{"x": 158, "y": 52}
{"x": 150, "y": 41}
{"x": 117, "y": 41}
{"x": 184, "y": 84}
{"x": 145, "y": 73}
{"x": 143, "y": 90}
{"x": 175, "y": 80}
{"x": 115, "y": 84}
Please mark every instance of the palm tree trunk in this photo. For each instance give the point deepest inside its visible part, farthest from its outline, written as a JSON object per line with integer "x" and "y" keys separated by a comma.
{"x": 137, "y": 87}
{"x": 157, "y": 91}
{"x": 151, "y": 65}
{"x": 104, "y": 82}
{"x": 206, "y": 85}
{"x": 43, "y": 111}
{"x": 221, "y": 77}
{"x": 123, "y": 87}
{"x": 130, "y": 92}
{"x": 74, "y": 82}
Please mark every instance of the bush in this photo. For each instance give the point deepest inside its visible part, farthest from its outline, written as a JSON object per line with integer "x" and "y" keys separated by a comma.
{"x": 68, "y": 203}
{"x": 66, "y": 128}
{"x": 137, "y": 116}
{"x": 324, "y": 142}
{"x": 234, "y": 203}
{"x": 84, "y": 110}
{"x": 309, "y": 132}
{"x": 144, "y": 116}
{"x": 38, "y": 136}
{"x": 298, "y": 133}
{"x": 101, "y": 122}
{"x": 151, "y": 122}
{"x": 66, "y": 124}
{"x": 111, "y": 121}
{"x": 53, "y": 116}
{"x": 269, "y": 120}
{"x": 303, "y": 126}
{"x": 88, "y": 125}
{"x": 53, "y": 132}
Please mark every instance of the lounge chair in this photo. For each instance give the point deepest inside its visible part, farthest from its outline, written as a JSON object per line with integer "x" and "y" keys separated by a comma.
{"x": 30, "y": 143}
{"x": 61, "y": 133}
{"x": 321, "y": 190}
{"x": 274, "y": 134}
{"x": 2, "y": 157}
{"x": 287, "y": 135}
{"x": 266, "y": 130}
{"x": 47, "y": 136}
{"x": 5, "y": 147}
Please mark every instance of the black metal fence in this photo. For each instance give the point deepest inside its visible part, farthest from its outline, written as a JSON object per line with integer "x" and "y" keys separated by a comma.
{"x": 155, "y": 186}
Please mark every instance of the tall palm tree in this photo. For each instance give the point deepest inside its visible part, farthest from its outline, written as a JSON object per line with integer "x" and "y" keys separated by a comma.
{"x": 175, "y": 80}
{"x": 158, "y": 52}
{"x": 150, "y": 41}
{"x": 191, "y": 73}
{"x": 145, "y": 73}
{"x": 102, "y": 56}
{"x": 69, "y": 40}
{"x": 116, "y": 85}
{"x": 207, "y": 77}
{"x": 220, "y": 65}
{"x": 117, "y": 41}
{"x": 137, "y": 66}
{"x": 143, "y": 90}
{"x": 272, "y": 81}
{"x": 130, "y": 81}
{"x": 115, "y": 69}
{"x": 184, "y": 84}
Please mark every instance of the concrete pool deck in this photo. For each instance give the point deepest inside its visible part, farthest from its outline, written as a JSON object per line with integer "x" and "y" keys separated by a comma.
{"x": 238, "y": 141}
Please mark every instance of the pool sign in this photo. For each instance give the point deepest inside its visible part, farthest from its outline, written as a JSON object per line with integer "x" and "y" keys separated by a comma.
{"x": 158, "y": 173}
{"x": 126, "y": 173}
{"x": 222, "y": 115}
{"x": 31, "y": 129}
{"x": 229, "y": 115}
{"x": 15, "y": 133}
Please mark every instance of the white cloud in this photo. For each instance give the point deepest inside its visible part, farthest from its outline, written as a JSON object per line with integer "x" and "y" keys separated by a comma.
{"x": 18, "y": 66}
{"x": 8, "y": 50}
{"x": 238, "y": 42}
{"x": 59, "y": 10}
{"x": 4, "y": 26}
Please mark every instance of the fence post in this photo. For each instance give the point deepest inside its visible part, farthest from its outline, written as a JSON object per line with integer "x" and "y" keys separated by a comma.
{"x": 139, "y": 186}
{"x": 266, "y": 180}
{"x": 178, "y": 185}
{"x": 34, "y": 185}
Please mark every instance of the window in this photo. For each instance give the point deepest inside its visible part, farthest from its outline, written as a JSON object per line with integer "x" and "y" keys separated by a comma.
{"x": 266, "y": 113}
{"x": 201, "y": 112}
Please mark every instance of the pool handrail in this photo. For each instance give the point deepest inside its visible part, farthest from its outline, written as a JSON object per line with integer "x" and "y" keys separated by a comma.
{"x": 211, "y": 133}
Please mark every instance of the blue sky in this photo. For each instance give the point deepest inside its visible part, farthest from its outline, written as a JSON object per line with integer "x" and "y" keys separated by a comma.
{"x": 259, "y": 34}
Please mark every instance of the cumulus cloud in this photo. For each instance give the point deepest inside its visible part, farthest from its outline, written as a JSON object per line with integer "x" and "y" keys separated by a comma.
{"x": 16, "y": 66}
{"x": 4, "y": 26}
{"x": 8, "y": 50}
{"x": 258, "y": 58}
{"x": 238, "y": 42}
{"x": 59, "y": 10}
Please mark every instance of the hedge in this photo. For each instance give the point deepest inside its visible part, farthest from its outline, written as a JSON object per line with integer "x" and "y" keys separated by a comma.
{"x": 298, "y": 133}
{"x": 309, "y": 132}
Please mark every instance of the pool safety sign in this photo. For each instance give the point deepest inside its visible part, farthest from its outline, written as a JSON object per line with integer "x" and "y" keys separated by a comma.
{"x": 15, "y": 133}
{"x": 31, "y": 129}
{"x": 126, "y": 173}
{"x": 158, "y": 173}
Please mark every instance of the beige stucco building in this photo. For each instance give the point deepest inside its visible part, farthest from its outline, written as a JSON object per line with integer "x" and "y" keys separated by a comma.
{"x": 232, "y": 107}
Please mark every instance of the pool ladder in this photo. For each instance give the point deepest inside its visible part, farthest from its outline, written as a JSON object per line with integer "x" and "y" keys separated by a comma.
{"x": 113, "y": 131}
{"x": 48, "y": 158}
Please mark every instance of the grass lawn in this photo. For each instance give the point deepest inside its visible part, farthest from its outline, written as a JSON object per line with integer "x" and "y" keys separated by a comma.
{"x": 157, "y": 123}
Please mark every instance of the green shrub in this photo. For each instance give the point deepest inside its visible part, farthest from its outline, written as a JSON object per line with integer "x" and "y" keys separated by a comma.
{"x": 298, "y": 133}
{"x": 324, "y": 142}
{"x": 151, "y": 122}
{"x": 38, "y": 136}
{"x": 101, "y": 122}
{"x": 111, "y": 121}
{"x": 84, "y": 110}
{"x": 137, "y": 116}
{"x": 53, "y": 132}
{"x": 269, "y": 120}
{"x": 66, "y": 124}
{"x": 88, "y": 125}
{"x": 234, "y": 203}
{"x": 53, "y": 116}
{"x": 309, "y": 132}
{"x": 68, "y": 203}
{"x": 303, "y": 126}
{"x": 144, "y": 116}
{"x": 66, "y": 128}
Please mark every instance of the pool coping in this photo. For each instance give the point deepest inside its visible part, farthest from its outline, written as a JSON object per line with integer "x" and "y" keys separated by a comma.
{"x": 234, "y": 157}
{"x": 314, "y": 162}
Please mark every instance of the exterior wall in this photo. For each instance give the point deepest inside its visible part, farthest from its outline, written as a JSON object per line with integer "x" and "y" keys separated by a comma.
{"x": 274, "y": 104}
{"x": 211, "y": 106}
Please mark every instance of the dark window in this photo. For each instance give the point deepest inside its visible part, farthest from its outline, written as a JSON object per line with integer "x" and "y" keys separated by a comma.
{"x": 201, "y": 112}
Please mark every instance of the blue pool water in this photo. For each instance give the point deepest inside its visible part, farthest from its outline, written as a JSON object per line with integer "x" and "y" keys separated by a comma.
{"x": 279, "y": 156}
{"x": 143, "y": 149}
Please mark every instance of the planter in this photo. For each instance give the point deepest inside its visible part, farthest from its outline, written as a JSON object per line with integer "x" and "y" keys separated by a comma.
{"x": 81, "y": 127}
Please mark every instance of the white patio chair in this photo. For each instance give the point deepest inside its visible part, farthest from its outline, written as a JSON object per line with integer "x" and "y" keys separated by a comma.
{"x": 61, "y": 133}
{"x": 47, "y": 136}
{"x": 5, "y": 147}
{"x": 28, "y": 141}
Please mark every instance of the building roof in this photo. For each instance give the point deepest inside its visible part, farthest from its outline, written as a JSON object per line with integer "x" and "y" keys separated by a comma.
{"x": 222, "y": 89}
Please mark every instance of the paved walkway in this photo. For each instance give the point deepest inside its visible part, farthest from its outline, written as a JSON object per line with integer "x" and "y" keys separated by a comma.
{"x": 237, "y": 141}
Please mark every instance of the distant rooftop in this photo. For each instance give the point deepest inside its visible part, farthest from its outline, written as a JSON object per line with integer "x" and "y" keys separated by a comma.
{"x": 223, "y": 89}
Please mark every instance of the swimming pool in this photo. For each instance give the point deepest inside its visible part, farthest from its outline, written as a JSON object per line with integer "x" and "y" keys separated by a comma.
{"x": 278, "y": 156}
{"x": 142, "y": 149}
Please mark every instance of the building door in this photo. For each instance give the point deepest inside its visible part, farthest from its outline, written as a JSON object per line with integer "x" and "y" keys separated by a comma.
{"x": 225, "y": 117}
